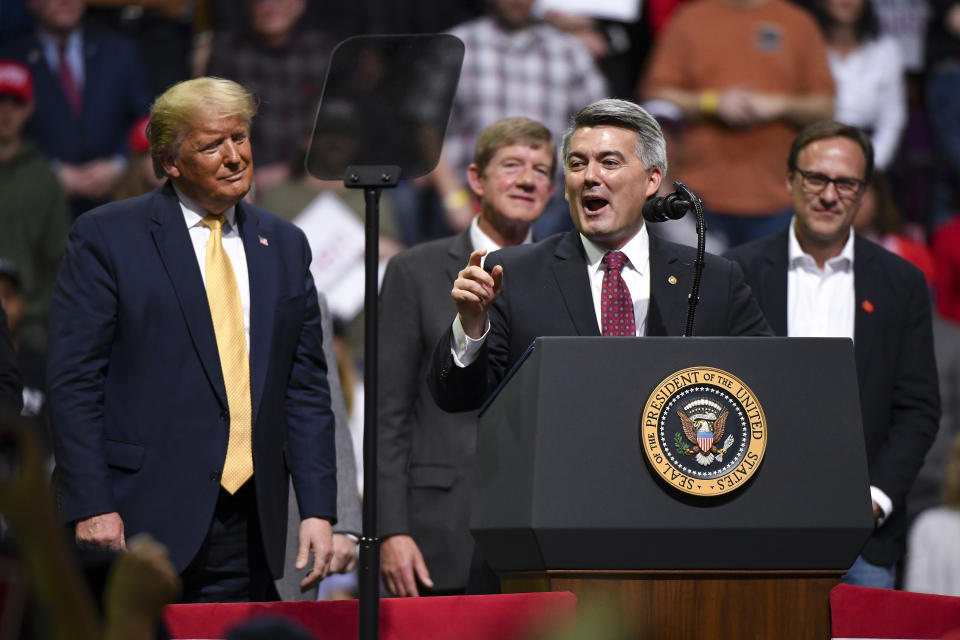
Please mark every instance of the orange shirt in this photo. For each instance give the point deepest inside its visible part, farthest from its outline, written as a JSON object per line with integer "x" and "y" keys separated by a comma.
{"x": 711, "y": 44}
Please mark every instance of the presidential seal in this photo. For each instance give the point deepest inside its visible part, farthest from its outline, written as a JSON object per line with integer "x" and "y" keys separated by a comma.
{"x": 703, "y": 431}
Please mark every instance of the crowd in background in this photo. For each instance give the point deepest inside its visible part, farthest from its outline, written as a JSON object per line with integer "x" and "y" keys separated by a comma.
{"x": 730, "y": 98}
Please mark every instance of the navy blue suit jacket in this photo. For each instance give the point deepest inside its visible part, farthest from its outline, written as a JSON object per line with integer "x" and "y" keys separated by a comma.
{"x": 138, "y": 401}
{"x": 896, "y": 371}
{"x": 546, "y": 292}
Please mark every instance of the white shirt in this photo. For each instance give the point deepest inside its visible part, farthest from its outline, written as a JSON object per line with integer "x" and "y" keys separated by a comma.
{"x": 635, "y": 273}
{"x": 822, "y": 304}
{"x": 871, "y": 93}
{"x": 232, "y": 243}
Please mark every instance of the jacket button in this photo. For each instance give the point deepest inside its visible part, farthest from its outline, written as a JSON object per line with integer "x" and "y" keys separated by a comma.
{"x": 214, "y": 476}
{"x": 224, "y": 415}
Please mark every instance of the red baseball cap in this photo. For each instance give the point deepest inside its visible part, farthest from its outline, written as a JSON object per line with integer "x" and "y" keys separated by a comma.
{"x": 137, "y": 141}
{"x": 15, "y": 80}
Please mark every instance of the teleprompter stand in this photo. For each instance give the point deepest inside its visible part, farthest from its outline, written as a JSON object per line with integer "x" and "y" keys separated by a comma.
{"x": 565, "y": 499}
{"x": 382, "y": 117}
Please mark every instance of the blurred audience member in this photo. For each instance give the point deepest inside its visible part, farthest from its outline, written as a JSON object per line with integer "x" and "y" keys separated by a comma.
{"x": 610, "y": 32}
{"x": 868, "y": 71}
{"x": 746, "y": 75}
{"x": 284, "y": 65}
{"x": 933, "y": 546}
{"x": 31, "y": 362}
{"x": 11, "y": 391}
{"x": 943, "y": 100}
{"x": 879, "y": 220}
{"x": 945, "y": 244}
{"x": 927, "y": 490}
{"x": 140, "y": 176}
{"x": 27, "y": 504}
{"x": 90, "y": 88}
{"x": 161, "y": 30}
{"x": 513, "y": 66}
{"x": 34, "y": 217}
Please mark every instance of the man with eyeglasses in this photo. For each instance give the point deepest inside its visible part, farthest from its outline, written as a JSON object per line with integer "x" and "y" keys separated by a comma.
{"x": 819, "y": 279}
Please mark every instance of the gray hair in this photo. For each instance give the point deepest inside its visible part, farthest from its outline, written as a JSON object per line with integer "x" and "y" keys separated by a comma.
{"x": 651, "y": 148}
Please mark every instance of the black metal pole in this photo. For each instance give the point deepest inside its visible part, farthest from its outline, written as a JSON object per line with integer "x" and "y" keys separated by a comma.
{"x": 368, "y": 571}
{"x": 692, "y": 198}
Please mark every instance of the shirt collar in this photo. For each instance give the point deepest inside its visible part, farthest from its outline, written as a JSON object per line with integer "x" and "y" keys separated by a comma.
{"x": 796, "y": 255}
{"x": 194, "y": 213}
{"x": 637, "y": 250}
{"x": 480, "y": 240}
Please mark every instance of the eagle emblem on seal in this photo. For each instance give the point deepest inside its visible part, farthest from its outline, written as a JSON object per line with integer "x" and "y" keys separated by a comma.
{"x": 703, "y": 427}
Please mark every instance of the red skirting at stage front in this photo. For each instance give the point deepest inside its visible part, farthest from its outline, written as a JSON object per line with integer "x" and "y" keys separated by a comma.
{"x": 495, "y": 617}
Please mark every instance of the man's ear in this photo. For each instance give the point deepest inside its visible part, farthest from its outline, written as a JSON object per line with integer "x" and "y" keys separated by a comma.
{"x": 789, "y": 183}
{"x": 169, "y": 167}
{"x": 654, "y": 179}
{"x": 475, "y": 180}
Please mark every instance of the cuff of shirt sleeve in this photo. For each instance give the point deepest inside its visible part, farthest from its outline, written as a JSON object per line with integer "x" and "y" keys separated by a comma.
{"x": 884, "y": 502}
{"x": 463, "y": 348}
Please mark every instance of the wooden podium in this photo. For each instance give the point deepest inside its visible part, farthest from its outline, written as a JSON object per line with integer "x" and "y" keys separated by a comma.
{"x": 564, "y": 498}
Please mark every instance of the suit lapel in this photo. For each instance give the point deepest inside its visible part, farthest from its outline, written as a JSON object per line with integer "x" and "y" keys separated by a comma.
{"x": 667, "y": 312}
{"x": 93, "y": 75}
{"x": 772, "y": 288}
{"x": 458, "y": 252}
{"x": 867, "y": 291}
{"x": 570, "y": 271}
{"x": 176, "y": 252}
{"x": 263, "y": 276}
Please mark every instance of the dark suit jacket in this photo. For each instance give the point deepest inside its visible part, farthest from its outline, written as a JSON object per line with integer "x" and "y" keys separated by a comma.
{"x": 426, "y": 454}
{"x": 115, "y": 95}
{"x": 11, "y": 390}
{"x": 893, "y": 343}
{"x": 546, "y": 292}
{"x": 138, "y": 403}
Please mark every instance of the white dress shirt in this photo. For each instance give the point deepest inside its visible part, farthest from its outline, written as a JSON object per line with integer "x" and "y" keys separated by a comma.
{"x": 822, "y": 304}
{"x": 193, "y": 214}
{"x": 635, "y": 273}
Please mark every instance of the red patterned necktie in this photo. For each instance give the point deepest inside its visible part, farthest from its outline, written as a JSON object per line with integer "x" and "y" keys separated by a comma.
{"x": 616, "y": 305}
{"x": 68, "y": 83}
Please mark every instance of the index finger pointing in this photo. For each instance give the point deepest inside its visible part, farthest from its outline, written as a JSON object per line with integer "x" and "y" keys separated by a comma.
{"x": 476, "y": 258}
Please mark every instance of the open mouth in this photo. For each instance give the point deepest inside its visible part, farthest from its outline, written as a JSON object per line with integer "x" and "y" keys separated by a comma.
{"x": 594, "y": 203}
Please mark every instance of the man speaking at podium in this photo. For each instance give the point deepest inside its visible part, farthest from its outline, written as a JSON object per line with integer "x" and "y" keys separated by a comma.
{"x": 186, "y": 364}
{"x": 819, "y": 279}
{"x": 607, "y": 277}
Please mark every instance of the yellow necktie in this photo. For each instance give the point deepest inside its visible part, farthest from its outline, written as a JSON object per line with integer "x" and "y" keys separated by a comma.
{"x": 223, "y": 294}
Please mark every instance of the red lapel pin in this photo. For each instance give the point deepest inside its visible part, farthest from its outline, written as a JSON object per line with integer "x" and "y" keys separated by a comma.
{"x": 867, "y": 306}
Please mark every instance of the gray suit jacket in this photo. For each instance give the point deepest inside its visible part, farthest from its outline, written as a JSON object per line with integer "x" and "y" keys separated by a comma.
{"x": 348, "y": 497}
{"x": 426, "y": 454}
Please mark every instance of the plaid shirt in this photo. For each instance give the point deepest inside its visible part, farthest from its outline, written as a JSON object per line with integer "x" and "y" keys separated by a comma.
{"x": 539, "y": 72}
{"x": 287, "y": 82}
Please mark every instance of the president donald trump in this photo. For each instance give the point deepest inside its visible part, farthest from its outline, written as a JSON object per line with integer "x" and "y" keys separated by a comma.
{"x": 186, "y": 367}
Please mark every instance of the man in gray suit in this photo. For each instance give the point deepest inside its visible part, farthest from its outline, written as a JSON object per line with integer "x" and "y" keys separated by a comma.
{"x": 347, "y": 530}
{"x": 426, "y": 455}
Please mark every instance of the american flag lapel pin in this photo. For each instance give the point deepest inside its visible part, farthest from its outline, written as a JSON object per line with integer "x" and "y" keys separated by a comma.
{"x": 264, "y": 241}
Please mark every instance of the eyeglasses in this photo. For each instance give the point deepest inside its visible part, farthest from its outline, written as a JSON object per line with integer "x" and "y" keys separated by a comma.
{"x": 814, "y": 182}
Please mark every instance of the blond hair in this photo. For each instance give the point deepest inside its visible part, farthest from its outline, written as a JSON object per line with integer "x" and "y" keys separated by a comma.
{"x": 174, "y": 112}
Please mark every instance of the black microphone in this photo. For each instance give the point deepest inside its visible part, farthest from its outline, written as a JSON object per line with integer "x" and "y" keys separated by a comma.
{"x": 670, "y": 207}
